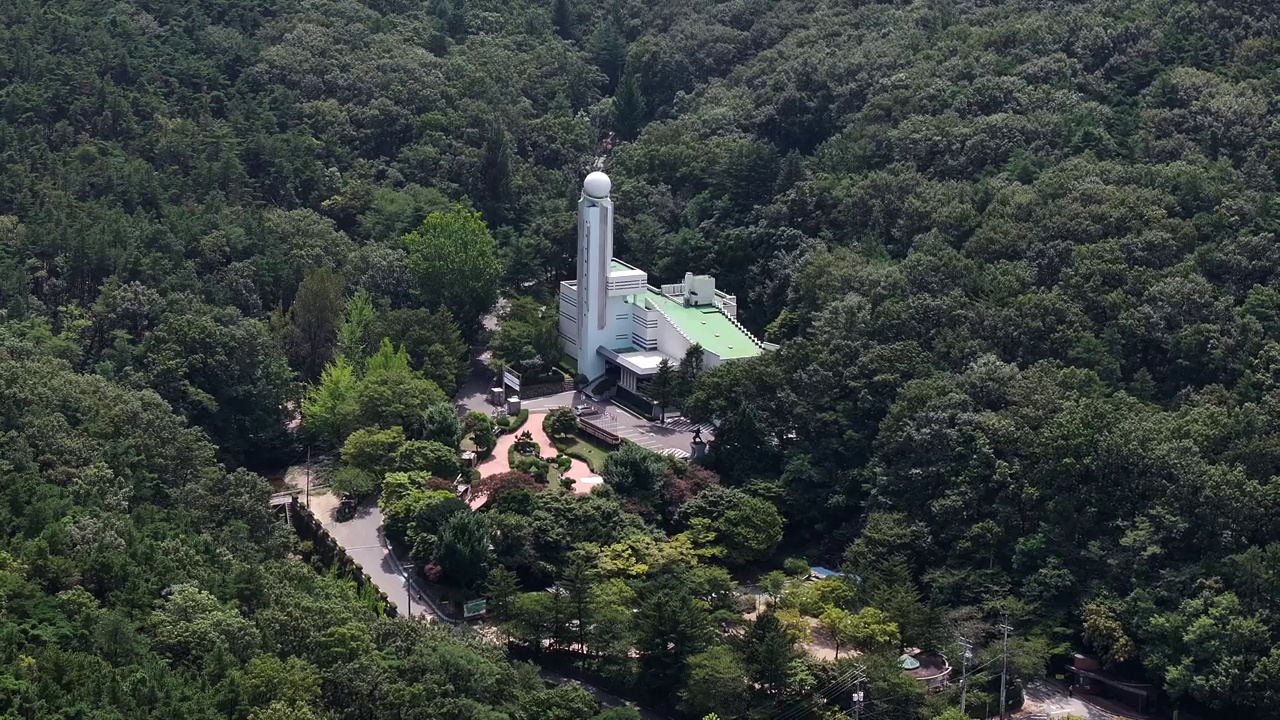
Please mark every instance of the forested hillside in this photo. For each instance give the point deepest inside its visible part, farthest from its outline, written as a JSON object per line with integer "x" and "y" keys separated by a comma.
{"x": 1021, "y": 259}
{"x": 139, "y": 579}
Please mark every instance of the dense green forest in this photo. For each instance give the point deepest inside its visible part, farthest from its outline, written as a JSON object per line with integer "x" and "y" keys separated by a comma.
{"x": 141, "y": 579}
{"x": 1021, "y": 259}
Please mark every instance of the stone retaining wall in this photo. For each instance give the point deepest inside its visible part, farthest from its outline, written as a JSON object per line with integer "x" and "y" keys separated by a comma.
{"x": 544, "y": 389}
{"x": 308, "y": 527}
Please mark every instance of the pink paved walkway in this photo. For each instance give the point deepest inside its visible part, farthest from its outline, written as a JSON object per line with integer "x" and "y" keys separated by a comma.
{"x": 497, "y": 463}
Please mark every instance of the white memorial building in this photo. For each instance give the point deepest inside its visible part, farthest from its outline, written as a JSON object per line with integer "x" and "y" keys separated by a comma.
{"x": 611, "y": 318}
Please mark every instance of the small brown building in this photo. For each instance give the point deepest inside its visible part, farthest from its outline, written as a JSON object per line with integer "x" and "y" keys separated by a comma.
{"x": 1088, "y": 678}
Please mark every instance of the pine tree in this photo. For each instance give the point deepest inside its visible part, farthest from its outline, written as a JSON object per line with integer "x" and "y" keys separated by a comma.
{"x": 502, "y": 587}
{"x": 894, "y": 593}
{"x": 790, "y": 172}
{"x": 609, "y": 51}
{"x": 768, "y": 651}
{"x": 576, "y": 581}
{"x": 687, "y": 372}
{"x": 495, "y": 173}
{"x": 669, "y": 628}
{"x": 353, "y": 340}
{"x": 628, "y": 106}
{"x": 562, "y": 18}
{"x": 441, "y": 10}
{"x": 459, "y": 12}
{"x": 314, "y": 320}
{"x": 663, "y": 386}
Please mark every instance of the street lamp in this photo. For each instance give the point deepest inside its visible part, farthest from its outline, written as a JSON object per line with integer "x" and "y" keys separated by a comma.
{"x": 408, "y": 588}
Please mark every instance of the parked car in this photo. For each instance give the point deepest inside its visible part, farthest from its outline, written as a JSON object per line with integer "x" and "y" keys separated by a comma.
{"x": 585, "y": 410}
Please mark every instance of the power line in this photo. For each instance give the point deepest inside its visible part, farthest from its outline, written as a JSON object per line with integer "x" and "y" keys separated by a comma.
{"x": 858, "y": 696}
{"x": 823, "y": 691}
{"x": 805, "y": 706}
{"x": 1004, "y": 669}
{"x": 875, "y": 701}
{"x": 835, "y": 687}
{"x": 866, "y": 705}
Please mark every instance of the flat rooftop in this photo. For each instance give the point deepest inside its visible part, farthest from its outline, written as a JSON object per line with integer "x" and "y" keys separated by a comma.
{"x": 706, "y": 326}
{"x": 620, "y": 270}
{"x": 641, "y": 362}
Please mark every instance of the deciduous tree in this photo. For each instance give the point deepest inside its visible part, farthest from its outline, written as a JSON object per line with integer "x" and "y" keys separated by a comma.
{"x": 372, "y": 450}
{"x": 330, "y": 410}
{"x": 480, "y": 427}
{"x": 454, "y": 264}
{"x": 561, "y": 422}
{"x": 634, "y": 471}
{"x": 440, "y": 422}
{"x": 465, "y": 551}
{"x": 716, "y": 683}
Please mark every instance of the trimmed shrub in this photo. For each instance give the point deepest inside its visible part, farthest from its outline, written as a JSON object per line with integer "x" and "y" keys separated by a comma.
{"x": 533, "y": 466}
{"x": 512, "y": 424}
{"x": 795, "y": 567}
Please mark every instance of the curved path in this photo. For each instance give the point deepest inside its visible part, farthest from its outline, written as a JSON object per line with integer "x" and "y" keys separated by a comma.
{"x": 498, "y": 462}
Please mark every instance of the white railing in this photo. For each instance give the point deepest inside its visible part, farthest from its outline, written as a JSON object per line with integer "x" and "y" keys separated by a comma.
{"x": 663, "y": 313}
{"x": 759, "y": 343}
{"x": 569, "y": 293}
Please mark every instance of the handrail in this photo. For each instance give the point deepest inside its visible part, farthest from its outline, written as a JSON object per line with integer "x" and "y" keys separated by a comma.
{"x": 745, "y": 331}
{"x": 664, "y": 314}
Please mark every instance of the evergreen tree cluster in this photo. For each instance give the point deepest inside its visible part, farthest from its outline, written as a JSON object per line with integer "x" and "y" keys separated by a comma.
{"x": 1020, "y": 257}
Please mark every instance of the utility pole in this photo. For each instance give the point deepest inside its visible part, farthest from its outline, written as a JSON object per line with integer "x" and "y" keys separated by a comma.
{"x": 859, "y": 697}
{"x": 408, "y": 589}
{"x": 964, "y": 669}
{"x": 1004, "y": 661}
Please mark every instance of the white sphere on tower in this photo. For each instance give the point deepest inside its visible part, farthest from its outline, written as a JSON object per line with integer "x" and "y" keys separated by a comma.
{"x": 597, "y": 185}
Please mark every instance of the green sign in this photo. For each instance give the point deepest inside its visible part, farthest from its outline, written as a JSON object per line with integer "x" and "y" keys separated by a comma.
{"x": 474, "y": 608}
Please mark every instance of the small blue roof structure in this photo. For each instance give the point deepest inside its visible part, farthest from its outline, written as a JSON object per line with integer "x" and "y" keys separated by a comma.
{"x": 823, "y": 573}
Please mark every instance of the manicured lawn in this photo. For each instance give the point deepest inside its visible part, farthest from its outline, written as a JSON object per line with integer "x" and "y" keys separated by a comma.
{"x": 586, "y": 449}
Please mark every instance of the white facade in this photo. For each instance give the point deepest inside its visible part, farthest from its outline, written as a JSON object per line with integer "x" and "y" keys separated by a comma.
{"x": 611, "y": 315}
{"x": 595, "y": 321}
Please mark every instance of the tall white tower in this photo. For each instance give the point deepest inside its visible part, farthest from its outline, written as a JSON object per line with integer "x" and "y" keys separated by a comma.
{"x": 595, "y": 251}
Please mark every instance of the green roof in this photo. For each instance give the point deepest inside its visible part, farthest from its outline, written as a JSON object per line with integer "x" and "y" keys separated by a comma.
{"x": 616, "y": 265}
{"x": 708, "y": 327}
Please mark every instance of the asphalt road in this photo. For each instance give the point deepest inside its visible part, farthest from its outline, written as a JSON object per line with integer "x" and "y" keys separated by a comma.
{"x": 362, "y": 538}
{"x": 1048, "y": 700}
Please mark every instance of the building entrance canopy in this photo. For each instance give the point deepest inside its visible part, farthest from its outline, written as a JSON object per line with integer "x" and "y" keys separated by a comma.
{"x": 641, "y": 362}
